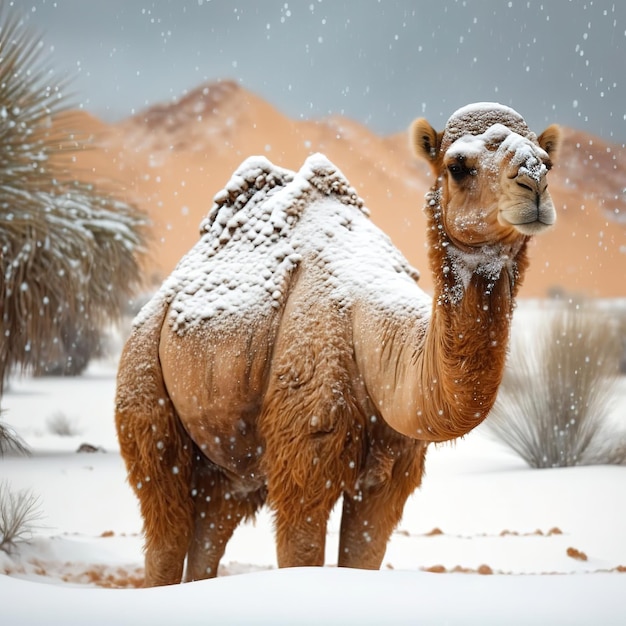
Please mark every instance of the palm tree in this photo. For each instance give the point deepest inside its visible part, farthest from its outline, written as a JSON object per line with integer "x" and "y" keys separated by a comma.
{"x": 68, "y": 252}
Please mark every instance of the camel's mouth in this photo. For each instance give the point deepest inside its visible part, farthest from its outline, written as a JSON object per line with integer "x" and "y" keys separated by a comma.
{"x": 529, "y": 218}
{"x": 532, "y": 228}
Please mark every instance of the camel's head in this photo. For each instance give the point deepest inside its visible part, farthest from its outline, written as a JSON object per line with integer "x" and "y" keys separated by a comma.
{"x": 491, "y": 173}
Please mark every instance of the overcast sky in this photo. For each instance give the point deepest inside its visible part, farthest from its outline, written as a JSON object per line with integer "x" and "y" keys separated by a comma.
{"x": 379, "y": 62}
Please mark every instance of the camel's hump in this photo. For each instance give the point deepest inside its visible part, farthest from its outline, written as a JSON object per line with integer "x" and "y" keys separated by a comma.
{"x": 242, "y": 206}
{"x": 261, "y": 226}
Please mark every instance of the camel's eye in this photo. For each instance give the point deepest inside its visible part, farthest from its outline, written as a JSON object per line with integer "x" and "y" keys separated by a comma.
{"x": 459, "y": 170}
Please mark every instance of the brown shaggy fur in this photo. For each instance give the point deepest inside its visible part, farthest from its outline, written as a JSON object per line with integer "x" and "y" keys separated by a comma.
{"x": 316, "y": 400}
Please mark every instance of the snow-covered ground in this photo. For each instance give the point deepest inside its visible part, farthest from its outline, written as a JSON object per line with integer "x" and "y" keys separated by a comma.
{"x": 485, "y": 541}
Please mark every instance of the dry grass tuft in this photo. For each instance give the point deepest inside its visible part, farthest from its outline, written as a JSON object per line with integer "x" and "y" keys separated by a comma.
{"x": 61, "y": 425}
{"x": 556, "y": 394}
{"x": 19, "y": 512}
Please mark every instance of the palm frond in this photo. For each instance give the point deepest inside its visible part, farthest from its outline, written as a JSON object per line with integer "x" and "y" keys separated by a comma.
{"x": 68, "y": 252}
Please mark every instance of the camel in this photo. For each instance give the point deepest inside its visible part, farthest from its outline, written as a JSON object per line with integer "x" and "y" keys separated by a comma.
{"x": 291, "y": 358}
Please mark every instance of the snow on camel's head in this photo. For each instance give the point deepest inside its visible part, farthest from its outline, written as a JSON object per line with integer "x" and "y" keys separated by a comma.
{"x": 490, "y": 171}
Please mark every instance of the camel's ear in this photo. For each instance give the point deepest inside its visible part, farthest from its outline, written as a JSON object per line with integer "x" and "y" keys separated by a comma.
{"x": 550, "y": 140}
{"x": 424, "y": 140}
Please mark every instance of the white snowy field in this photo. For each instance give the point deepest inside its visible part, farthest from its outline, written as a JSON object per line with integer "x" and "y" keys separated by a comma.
{"x": 486, "y": 540}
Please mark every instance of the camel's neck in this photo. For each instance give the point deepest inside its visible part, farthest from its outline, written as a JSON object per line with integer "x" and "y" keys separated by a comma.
{"x": 459, "y": 361}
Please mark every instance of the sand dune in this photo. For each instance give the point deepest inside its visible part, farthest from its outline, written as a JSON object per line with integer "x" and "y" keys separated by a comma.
{"x": 172, "y": 158}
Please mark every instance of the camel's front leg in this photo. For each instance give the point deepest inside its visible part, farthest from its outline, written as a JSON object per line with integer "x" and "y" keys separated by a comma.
{"x": 217, "y": 514}
{"x": 301, "y": 509}
{"x": 303, "y": 486}
{"x": 308, "y": 423}
{"x": 301, "y": 538}
{"x": 369, "y": 517}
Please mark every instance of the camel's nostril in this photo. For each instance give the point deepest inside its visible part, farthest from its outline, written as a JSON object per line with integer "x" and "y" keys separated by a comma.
{"x": 525, "y": 186}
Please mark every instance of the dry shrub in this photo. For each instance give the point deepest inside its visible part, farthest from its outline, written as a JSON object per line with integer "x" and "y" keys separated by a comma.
{"x": 556, "y": 395}
{"x": 19, "y": 513}
{"x": 60, "y": 424}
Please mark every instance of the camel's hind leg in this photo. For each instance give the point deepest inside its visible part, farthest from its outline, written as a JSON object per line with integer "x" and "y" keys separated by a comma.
{"x": 158, "y": 458}
{"x": 217, "y": 512}
{"x": 369, "y": 518}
